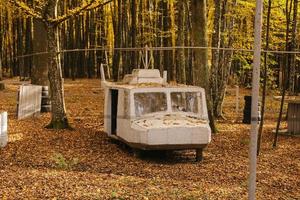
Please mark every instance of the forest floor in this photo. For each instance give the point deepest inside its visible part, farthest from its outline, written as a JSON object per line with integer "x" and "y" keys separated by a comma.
{"x": 85, "y": 164}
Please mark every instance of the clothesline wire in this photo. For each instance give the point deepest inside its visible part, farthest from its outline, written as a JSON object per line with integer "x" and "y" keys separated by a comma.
{"x": 157, "y": 49}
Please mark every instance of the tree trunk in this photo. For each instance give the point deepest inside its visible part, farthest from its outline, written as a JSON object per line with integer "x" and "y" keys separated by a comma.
{"x": 199, "y": 34}
{"x": 39, "y": 73}
{"x": 1, "y": 42}
{"x": 286, "y": 70}
{"x": 200, "y": 71}
{"x": 117, "y": 28}
{"x": 59, "y": 118}
{"x": 180, "y": 56}
{"x": 216, "y": 37}
{"x": 160, "y": 36}
{"x": 1, "y": 75}
{"x": 92, "y": 38}
{"x": 101, "y": 55}
{"x": 133, "y": 35}
{"x": 189, "y": 42}
{"x": 292, "y": 48}
{"x": 225, "y": 58}
{"x": 20, "y": 47}
{"x": 14, "y": 50}
{"x": 167, "y": 54}
{"x": 125, "y": 39}
{"x": 28, "y": 44}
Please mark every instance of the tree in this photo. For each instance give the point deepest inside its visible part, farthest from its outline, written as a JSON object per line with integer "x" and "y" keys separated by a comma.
{"x": 288, "y": 61}
{"x": 222, "y": 37}
{"x": 133, "y": 34}
{"x": 39, "y": 71}
{"x": 216, "y": 40}
{"x": 199, "y": 35}
{"x": 180, "y": 56}
{"x": 293, "y": 46}
{"x": 28, "y": 61}
{"x": 167, "y": 40}
{"x": 47, "y": 13}
{"x": 0, "y": 69}
{"x": 117, "y": 28}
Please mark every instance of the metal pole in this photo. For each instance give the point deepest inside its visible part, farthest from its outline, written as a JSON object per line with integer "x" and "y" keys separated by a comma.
{"x": 255, "y": 97}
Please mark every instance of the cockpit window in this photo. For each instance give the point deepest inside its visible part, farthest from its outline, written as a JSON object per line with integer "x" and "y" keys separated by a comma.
{"x": 185, "y": 102}
{"x": 149, "y": 102}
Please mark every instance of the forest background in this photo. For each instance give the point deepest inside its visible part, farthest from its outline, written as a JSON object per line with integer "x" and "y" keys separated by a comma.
{"x": 100, "y": 32}
{"x": 92, "y": 32}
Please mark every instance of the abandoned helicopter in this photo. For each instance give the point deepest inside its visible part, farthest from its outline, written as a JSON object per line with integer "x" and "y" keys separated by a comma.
{"x": 147, "y": 113}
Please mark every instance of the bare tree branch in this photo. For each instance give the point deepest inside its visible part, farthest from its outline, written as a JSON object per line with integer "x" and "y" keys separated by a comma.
{"x": 92, "y": 7}
{"x": 78, "y": 10}
{"x": 26, "y": 9}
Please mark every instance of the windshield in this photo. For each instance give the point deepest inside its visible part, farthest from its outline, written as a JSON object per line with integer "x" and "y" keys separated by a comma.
{"x": 185, "y": 102}
{"x": 149, "y": 102}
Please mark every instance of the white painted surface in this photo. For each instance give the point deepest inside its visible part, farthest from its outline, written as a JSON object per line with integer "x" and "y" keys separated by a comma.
{"x": 143, "y": 76}
{"x": 29, "y": 101}
{"x": 167, "y": 127}
{"x": 3, "y": 130}
{"x": 166, "y": 136}
{"x": 107, "y": 111}
{"x": 200, "y": 134}
{"x": 255, "y": 98}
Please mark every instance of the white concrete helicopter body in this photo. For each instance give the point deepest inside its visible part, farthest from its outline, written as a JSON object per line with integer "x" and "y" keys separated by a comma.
{"x": 147, "y": 113}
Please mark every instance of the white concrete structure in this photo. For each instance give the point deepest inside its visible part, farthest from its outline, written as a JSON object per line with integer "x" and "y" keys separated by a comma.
{"x": 29, "y": 101}
{"x": 3, "y": 129}
{"x": 146, "y": 113}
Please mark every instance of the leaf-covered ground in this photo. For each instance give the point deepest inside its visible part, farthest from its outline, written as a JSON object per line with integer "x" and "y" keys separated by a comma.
{"x": 85, "y": 164}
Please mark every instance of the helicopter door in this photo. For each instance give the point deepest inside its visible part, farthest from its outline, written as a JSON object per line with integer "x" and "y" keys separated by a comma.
{"x": 114, "y": 111}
